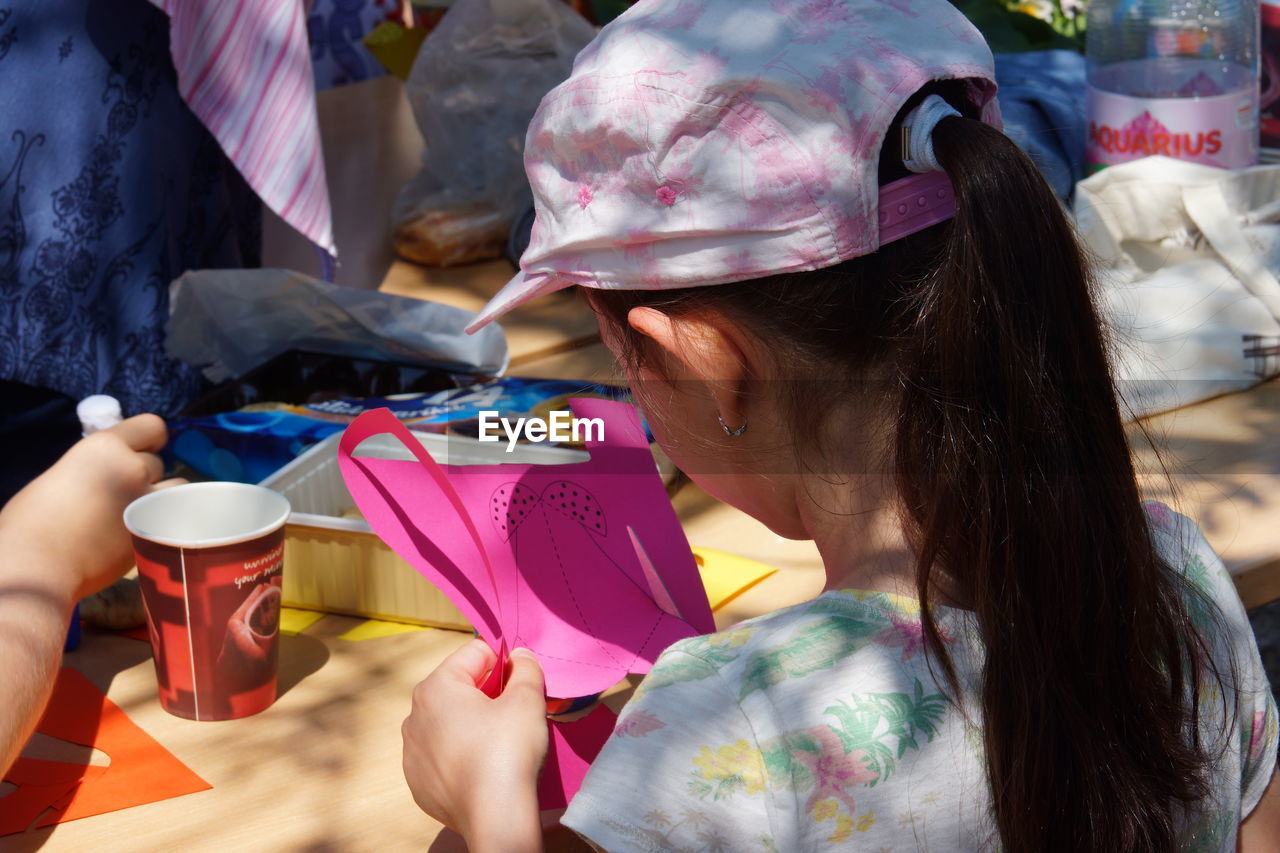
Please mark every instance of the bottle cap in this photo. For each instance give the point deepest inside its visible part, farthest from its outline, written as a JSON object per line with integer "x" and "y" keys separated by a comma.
{"x": 99, "y": 411}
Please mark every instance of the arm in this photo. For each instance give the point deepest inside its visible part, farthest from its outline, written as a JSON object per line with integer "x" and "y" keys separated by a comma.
{"x": 1260, "y": 831}
{"x": 62, "y": 538}
{"x": 472, "y": 762}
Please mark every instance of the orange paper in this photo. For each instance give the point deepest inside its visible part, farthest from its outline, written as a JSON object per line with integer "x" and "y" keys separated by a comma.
{"x": 141, "y": 770}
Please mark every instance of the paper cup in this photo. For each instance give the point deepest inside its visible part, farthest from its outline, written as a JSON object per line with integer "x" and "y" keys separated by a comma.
{"x": 209, "y": 562}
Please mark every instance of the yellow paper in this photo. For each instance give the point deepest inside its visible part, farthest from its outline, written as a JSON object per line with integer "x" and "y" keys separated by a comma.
{"x": 294, "y": 621}
{"x": 726, "y": 576}
{"x": 395, "y": 46}
{"x": 373, "y": 628}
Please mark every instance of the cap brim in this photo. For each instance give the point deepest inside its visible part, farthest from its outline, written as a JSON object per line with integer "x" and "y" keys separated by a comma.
{"x": 522, "y": 288}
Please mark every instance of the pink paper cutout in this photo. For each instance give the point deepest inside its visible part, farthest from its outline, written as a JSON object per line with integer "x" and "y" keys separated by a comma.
{"x": 392, "y": 523}
{"x": 657, "y": 589}
{"x": 570, "y": 750}
{"x": 542, "y": 556}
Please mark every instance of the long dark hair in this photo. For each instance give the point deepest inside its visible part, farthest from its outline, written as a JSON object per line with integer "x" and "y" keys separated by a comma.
{"x": 1015, "y": 479}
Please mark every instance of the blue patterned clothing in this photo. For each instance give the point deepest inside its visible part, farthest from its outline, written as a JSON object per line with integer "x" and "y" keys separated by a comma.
{"x": 109, "y": 189}
{"x": 335, "y": 29}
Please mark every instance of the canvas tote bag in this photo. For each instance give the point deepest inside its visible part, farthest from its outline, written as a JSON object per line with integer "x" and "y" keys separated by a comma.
{"x": 1186, "y": 259}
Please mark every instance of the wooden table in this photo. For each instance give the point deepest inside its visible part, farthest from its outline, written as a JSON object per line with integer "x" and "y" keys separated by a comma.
{"x": 1223, "y": 463}
{"x": 320, "y": 770}
{"x": 543, "y": 327}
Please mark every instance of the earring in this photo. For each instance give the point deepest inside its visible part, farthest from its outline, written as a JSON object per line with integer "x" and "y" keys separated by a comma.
{"x": 731, "y": 432}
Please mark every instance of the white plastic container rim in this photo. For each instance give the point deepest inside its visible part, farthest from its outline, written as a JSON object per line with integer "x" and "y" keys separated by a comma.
{"x": 322, "y": 458}
{"x": 206, "y": 515}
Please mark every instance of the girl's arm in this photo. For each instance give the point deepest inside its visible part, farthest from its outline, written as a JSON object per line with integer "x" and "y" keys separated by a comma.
{"x": 472, "y": 762}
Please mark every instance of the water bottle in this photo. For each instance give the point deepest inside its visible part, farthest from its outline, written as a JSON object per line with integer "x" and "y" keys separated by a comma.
{"x": 1269, "y": 94}
{"x": 1172, "y": 77}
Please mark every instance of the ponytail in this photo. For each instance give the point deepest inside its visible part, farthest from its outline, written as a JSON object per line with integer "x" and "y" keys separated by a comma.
{"x": 1014, "y": 468}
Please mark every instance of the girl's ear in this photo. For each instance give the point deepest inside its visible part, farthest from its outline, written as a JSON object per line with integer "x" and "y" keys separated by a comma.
{"x": 705, "y": 348}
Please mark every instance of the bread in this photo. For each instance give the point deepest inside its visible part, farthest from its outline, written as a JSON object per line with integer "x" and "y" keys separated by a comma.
{"x": 116, "y": 608}
{"x": 448, "y": 236}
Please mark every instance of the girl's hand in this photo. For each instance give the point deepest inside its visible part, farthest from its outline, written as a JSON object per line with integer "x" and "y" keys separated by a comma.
{"x": 472, "y": 762}
{"x": 71, "y": 514}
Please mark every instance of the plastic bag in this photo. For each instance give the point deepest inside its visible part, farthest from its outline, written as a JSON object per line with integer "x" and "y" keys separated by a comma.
{"x": 474, "y": 87}
{"x": 230, "y": 321}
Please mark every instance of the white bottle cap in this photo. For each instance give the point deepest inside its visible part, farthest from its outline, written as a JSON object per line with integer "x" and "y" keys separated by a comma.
{"x": 98, "y": 412}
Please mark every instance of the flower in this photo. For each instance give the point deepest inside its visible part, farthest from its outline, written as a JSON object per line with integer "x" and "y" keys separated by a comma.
{"x": 637, "y": 724}
{"x": 65, "y": 200}
{"x": 825, "y": 810}
{"x": 844, "y": 828}
{"x": 1159, "y": 515}
{"x": 733, "y": 637}
{"x": 1042, "y": 9}
{"x": 833, "y": 771}
{"x": 737, "y": 763}
{"x": 51, "y": 257}
{"x": 907, "y": 634}
{"x": 80, "y": 268}
{"x": 1256, "y": 737}
{"x": 121, "y": 118}
{"x": 47, "y": 306}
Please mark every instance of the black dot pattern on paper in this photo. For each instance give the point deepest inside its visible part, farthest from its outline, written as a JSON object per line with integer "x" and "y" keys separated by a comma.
{"x": 510, "y": 505}
{"x": 577, "y": 503}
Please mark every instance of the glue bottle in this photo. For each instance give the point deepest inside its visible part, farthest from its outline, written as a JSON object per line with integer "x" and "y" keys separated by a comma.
{"x": 1172, "y": 77}
{"x": 95, "y": 412}
{"x": 98, "y": 412}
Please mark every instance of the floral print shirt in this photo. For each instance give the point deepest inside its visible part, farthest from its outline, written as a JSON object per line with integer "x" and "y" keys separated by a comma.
{"x": 820, "y": 727}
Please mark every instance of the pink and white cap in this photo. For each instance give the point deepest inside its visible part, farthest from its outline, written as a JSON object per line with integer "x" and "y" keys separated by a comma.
{"x": 703, "y": 142}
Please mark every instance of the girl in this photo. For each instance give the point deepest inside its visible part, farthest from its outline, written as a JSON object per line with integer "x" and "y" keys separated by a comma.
{"x": 902, "y": 363}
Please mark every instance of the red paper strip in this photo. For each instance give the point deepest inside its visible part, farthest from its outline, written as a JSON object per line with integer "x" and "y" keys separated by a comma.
{"x": 497, "y": 677}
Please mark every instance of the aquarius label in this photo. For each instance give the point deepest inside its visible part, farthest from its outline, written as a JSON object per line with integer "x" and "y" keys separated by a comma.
{"x": 1219, "y": 130}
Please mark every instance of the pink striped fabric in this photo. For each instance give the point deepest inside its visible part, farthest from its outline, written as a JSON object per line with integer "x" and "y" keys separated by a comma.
{"x": 244, "y": 68}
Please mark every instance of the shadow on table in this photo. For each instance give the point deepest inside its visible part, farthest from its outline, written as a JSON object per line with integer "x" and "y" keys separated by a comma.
{"x": 300, "y": 656}
{"x": 103, "y": 655}
{"x": 26, "y": 842}
{"x": 555, "y": 839}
